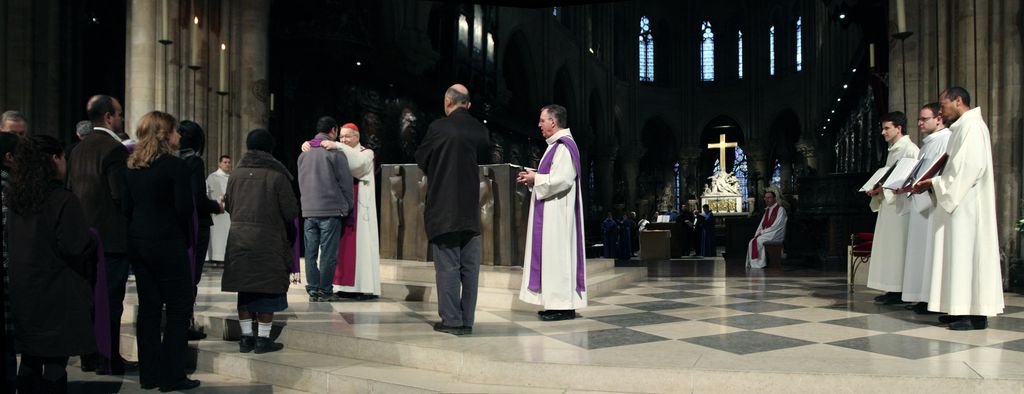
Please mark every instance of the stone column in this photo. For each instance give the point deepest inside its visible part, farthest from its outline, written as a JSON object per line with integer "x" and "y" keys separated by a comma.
{"x": 143, "y": 68}
{"x": 604, "y": 171}
{"x": 254, "y": 92}
{"x": 786, "y": 177}
{"x": 687, "y": 159}
{"x": 630, "y": 161}
{"x": 757, "y": 160}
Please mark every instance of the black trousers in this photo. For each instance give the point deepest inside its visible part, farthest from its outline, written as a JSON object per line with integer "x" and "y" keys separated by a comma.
{"x": 117, "y": 281}
{"x": 202, "y": 244}
{"x": 43, "y": 374}
{"x": 164, "y": 281}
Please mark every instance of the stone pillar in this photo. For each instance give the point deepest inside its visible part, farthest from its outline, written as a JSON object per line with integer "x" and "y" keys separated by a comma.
{"x": 254, "y": 93}
{"x": 631, "y": 170}
{"x": 687, "y": 159}
{"x": 143, "y": 69}
{"x": 786, "y": 177}
{"x": 604, "y": 171}
{"x": 757, "y": 160}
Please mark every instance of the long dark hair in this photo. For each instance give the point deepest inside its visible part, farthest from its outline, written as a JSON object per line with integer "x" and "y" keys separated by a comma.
{"x": 34, "y": 173}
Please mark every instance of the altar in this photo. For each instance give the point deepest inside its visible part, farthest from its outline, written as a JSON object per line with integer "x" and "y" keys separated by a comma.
{"x": 722, "y": 193}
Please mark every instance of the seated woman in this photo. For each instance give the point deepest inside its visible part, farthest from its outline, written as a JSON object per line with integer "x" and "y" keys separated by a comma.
{"x": 50, "y": 267}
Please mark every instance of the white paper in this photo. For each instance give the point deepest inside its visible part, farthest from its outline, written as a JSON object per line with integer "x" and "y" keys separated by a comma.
{"x": 870, "y": 184}
{"x": 904, "y": 169}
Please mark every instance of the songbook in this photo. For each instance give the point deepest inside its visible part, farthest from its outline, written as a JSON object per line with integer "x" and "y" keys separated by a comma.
{"x": 902, "y": 171}
{"x": 930, "y": 173}
{"x": 876, "y": 179}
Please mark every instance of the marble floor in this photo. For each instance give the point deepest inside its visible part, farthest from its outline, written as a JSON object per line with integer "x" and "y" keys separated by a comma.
{"x": 753, "y": 324}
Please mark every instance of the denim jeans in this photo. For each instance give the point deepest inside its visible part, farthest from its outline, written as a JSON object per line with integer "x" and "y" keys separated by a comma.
{"x": 321, "y": 239}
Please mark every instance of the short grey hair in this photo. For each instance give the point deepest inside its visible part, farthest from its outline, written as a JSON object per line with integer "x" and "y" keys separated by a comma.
{"x": 83, "y": 128}
{"x": 558, "y": 113}
{"x": 13, "y": 116}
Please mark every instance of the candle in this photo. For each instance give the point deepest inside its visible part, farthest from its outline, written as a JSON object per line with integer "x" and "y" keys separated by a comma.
{"x": 271, "y": 102}
{"x": 871, "y": 55}
{"x": 163, "y": 23}
{"x": 901, "y": 16}
{"x": 223, "y": 68}
{"x": 195, "y": 43}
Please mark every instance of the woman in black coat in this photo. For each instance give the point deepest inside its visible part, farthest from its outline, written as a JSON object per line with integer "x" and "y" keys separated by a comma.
{"x": 158, "y": 205}
{"x": 50, "y": 266}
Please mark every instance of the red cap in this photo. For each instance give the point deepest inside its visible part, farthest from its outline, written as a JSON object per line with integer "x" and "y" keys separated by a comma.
{"x": 350, "y": 126}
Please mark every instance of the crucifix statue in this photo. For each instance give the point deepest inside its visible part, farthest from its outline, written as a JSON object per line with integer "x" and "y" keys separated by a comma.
{"x": 722, "y": 146}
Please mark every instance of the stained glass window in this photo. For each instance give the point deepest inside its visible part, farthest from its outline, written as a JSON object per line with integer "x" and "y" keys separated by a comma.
{"x": 771, "y": 50}
{"x": 739, "y": 54}
{"x": 646, "y": 50}
{"x": 799, "y": 44}
{"x": 707, "y": 52}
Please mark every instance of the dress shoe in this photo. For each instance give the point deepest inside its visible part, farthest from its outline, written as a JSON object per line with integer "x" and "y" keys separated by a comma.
{"x": 962, "y": 324}
{"x": 946, "y": 319}
{"x": 193, "y": 334}
{"x": 148, "y": 385}
{"x": 267, "y": 345}
{"x": 117, "y": 368}
{"x": 454, "y": 330}
{"x": 330, "y": 297}
{"x": 559, "y": 315}
{"x": 921, "y": 308}
{"x": 546, "y": 312}
{"x": 979, "y": 322}
{"x": 88, "y": 362}
{"x": 181, "y": 385}
{"x": 246, "y": 344}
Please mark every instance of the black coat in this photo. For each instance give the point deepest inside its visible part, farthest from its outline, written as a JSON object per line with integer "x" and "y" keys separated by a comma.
{"x": 263, "y": 209}
{"x": 205, "y": 207}
{"x": 96, "y": 177}
{"x": 158, "y": 201}
{"x": 449, "y": 155}
{"x": 51, "y": 257}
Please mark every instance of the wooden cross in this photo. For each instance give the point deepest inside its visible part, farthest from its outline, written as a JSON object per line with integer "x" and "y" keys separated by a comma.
{"x": 722, "y": 146}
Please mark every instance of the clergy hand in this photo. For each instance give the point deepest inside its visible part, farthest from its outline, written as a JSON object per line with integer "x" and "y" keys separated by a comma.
{"x": 526, "y": 177}
{"x": 305, "y": 146}
{"x": 922, "y": 186}
{"x": 875, "y": 191}
{"x": 329, "y": 145}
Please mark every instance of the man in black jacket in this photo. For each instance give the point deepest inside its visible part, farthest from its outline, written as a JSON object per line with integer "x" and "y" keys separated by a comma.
{"x": 449, "y": 155}
{"x": 96, "y": 177}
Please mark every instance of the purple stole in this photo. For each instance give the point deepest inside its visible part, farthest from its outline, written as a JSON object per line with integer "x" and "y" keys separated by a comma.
{"x": 538, "y": 221}
{"x": 101, "y": 301}
{"x": 296, "y": 245}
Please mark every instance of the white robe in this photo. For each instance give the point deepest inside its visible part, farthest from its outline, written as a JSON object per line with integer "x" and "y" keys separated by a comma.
{"x": 917, "y": 264}
{"x": 966, "y": 277}
{"x": 367, "y": 279}
{"x": 885, "y": 272}
{"x": 216, "y": 185}
{"x": 774, "y": 233}
{"x": 558, "y": 254}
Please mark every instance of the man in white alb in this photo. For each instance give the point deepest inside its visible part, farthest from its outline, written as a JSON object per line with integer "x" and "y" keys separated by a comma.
{"x": 771, "y": 229}
{"x": 554, "y": 267}
{"x": 216, "y": 186}
{"x": 917, "y": 268}
{"x": 885, "y": 272}
{"x": 966, "y": 280}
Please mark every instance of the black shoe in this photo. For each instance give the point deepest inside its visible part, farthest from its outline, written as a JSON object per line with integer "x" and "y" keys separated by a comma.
{"x": 88, "y": 362}
{"x": 246, "y": 344}
{"x": 546, "y": 312}
{"x": 118, "y": 368}
{"x": 181, "y": 385}
{"x": 267, "y": 345}
{"x": 148, "y": 386}
{"x": 314, "y": 297}
{"x": 963, "y": 323}
{"x": 330, "y": 297}
{"x": 882, "y": 298}
{"x": 921, "y": 308}
{"x": 979, "y": 322}
{"x": 454, "y": 330}
{"x": 365, "y": 297}
{"x": 193, "y": 334}
{"x": 946, "y": 319}
{"x": 568, "y": 314}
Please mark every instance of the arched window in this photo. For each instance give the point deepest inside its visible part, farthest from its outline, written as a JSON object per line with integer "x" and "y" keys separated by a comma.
{"x": 771, "y": 50}
{"x": 478, "y": 31}
{"x": 646, "y": 50}
{"x": 490, "y": 48}
{"x": 554, "y": 11}
{"x": 463, "y": 30}
{"x": 707, "y": 52}
{"x": 799, "y": 44}
{"x": 677, "y": 187}
{"x": 777, "y": 175}
{"x": 739, "y": 53}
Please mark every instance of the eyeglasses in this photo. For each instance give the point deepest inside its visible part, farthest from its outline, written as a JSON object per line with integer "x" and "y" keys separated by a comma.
{"x": 925, "y": 119}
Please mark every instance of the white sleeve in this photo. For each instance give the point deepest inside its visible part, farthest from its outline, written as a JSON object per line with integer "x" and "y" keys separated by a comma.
{"x": 560, "y": 179}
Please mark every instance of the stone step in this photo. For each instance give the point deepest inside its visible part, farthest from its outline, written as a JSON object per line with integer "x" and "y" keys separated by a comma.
{"x": 598, "y": 284}
{"x": 304, "y": 371}
{"x": 490, "y": 276}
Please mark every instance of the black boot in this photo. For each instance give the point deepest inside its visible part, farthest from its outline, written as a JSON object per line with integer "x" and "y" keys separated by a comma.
{"x": 246, "y": 344}
{"x": 267, "y": 345}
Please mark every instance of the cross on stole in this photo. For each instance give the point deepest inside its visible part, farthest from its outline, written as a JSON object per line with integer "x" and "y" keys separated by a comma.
{"x": 722, "y": 146}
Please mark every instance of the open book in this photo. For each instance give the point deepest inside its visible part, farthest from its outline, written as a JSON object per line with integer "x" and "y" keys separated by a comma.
{"x": 931, "y": 172}
{"x": 876, "y": 179}
{"x": 901, "y": 173}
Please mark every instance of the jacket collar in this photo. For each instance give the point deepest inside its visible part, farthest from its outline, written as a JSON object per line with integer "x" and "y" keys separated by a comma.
{"x": 261, "y": 159}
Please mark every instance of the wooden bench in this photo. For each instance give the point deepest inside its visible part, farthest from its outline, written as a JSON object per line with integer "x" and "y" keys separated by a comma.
{"x": 773, "y": 254}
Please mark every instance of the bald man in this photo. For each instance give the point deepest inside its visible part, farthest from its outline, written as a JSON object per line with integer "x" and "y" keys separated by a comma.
{"x": 449, "y": 155}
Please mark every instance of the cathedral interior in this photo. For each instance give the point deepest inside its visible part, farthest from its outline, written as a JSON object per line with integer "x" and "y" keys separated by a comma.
{"x": 798, "y": 85}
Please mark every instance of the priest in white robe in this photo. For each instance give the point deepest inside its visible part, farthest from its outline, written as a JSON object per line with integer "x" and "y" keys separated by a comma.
{"x": 885, "y": 271}
{"x": 357, "y": 274}
{"x": 216, "y": 185}
{"x": 772, "y": 230}
{"x": 966, "y": 281}
{"x": 917, "y": 264}
{"x": 554, "y": 266}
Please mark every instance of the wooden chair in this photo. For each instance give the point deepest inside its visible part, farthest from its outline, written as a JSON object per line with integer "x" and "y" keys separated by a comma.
{"x": 858, "y": 253}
